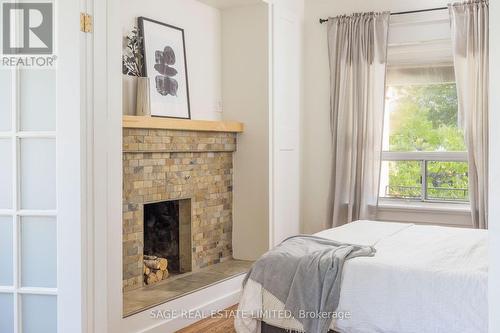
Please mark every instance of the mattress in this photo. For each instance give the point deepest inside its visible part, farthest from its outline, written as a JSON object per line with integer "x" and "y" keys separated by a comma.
{"x": 424, "y": 279}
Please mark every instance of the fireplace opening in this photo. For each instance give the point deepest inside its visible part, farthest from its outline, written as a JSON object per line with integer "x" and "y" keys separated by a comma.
{"x": 167, "y": 235}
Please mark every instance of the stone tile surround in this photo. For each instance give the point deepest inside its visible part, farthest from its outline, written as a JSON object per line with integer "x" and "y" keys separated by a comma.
{"x": 161, "y": 165}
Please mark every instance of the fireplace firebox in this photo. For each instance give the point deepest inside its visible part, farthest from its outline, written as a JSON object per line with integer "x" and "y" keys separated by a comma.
{"x": 167, "y": 234}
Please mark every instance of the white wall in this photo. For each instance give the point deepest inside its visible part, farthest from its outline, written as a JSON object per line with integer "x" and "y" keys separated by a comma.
{"x": 245, "y": 93}
{"x": 293, "y": 6}
{"x": 494, "y": 183}
{"x": 316, "y": 147}
{"x": 287, "y": 27}
{"x": 225, "y": 4}
{"x": 202, "y": 29}
{"x": 262, "y": 86}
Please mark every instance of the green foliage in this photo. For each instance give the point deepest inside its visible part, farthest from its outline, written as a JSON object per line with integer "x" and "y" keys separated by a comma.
{"x": 404, "y": 179}
{"x": 424, "y": 118}
{"x": 439, "y": 99}
{"x": 447, "y": 180}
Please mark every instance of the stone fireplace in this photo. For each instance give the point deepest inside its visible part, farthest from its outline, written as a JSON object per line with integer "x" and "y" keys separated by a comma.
{"x": 177, "y": 199}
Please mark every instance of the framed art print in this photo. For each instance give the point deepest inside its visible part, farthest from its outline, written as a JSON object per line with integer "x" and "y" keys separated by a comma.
{"x": 165, "y": 65}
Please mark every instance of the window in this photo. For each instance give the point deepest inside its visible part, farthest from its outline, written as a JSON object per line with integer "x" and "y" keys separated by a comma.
{"x": 424, "y": 154}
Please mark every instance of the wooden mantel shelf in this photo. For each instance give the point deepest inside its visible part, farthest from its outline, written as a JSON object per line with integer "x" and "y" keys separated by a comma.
{"x": 182, "y": 124}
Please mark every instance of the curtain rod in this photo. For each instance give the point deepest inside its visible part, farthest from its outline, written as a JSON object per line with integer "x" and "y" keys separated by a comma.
{"x": 401, "y": 13}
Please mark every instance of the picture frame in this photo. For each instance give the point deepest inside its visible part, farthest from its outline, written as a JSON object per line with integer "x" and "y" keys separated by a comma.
{"x": 165, "y": 63}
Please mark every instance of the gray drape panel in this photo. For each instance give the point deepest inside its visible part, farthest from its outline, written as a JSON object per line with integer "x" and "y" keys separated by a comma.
{"x": 357, "y": 51}
{"x": 469, "y": 25}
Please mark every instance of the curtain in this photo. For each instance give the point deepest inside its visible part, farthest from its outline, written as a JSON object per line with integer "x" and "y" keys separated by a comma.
{"x": 357, "y": 52}
{"x": 469, "y": 26}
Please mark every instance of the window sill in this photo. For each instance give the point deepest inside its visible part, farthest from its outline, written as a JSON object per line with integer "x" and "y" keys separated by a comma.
{"x": 434, "y": 207}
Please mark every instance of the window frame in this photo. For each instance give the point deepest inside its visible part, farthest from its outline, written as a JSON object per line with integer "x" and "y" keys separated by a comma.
{"x": 424, "y": 158}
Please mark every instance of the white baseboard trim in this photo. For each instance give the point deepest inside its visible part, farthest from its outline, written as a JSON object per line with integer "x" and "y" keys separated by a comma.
{"x": 172, "y": 316}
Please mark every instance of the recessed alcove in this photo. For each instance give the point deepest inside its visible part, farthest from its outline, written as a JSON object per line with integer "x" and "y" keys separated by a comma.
{"x": 235, "y": 137}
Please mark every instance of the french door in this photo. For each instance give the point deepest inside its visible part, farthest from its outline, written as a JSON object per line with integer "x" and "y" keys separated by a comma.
{"x": 41, "y": 168}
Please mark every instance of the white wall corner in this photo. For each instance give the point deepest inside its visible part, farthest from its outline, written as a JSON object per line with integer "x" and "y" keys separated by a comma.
{"x": 494, "y": 170}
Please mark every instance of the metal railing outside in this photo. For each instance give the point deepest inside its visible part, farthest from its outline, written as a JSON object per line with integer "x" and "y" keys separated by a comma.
{"x": 433, "y": 193}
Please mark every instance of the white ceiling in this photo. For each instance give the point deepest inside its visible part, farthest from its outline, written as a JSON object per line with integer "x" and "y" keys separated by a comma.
{"x": 224, "y": 4}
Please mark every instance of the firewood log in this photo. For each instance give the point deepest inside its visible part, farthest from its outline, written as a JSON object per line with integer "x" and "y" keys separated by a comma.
{"x": 158, "y": 263}
{"x": 152, "y": 263}
{"x": 163, "y": 263}
{"x": 159, "y": 275}
{"x": 152, "y": 278}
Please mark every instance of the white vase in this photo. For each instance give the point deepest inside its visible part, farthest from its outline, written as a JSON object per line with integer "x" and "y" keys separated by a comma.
{"x": 129, "y": 94}
{"x": 143, "y": 107}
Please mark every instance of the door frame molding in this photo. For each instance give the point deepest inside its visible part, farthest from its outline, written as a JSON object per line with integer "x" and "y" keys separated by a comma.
{"x": 71, "y": 167}
{"x": 104, "y": 173}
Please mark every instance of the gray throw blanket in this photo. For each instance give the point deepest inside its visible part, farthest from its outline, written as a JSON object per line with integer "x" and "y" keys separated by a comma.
{"x": 304, "y": 272}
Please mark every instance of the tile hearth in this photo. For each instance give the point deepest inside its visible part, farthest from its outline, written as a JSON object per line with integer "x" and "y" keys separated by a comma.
{"x": 144, "y": 298}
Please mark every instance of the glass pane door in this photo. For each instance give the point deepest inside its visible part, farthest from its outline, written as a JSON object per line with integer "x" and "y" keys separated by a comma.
{"x": 28, "y": 207}
{"x": 28, "y": 227}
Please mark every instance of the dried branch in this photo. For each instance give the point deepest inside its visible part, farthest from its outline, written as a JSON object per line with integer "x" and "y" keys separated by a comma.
{"x": 133, "y": 59}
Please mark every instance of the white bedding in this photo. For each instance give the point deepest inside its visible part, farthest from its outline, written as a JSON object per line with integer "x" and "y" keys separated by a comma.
{"x": 423, "y": 279}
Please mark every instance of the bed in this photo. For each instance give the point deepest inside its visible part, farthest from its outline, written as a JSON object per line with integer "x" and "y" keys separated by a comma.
{"x": 422, "y": 279}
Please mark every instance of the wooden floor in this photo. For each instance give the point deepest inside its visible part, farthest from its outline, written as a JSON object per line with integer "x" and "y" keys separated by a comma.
{"x": 212, "y": 325}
